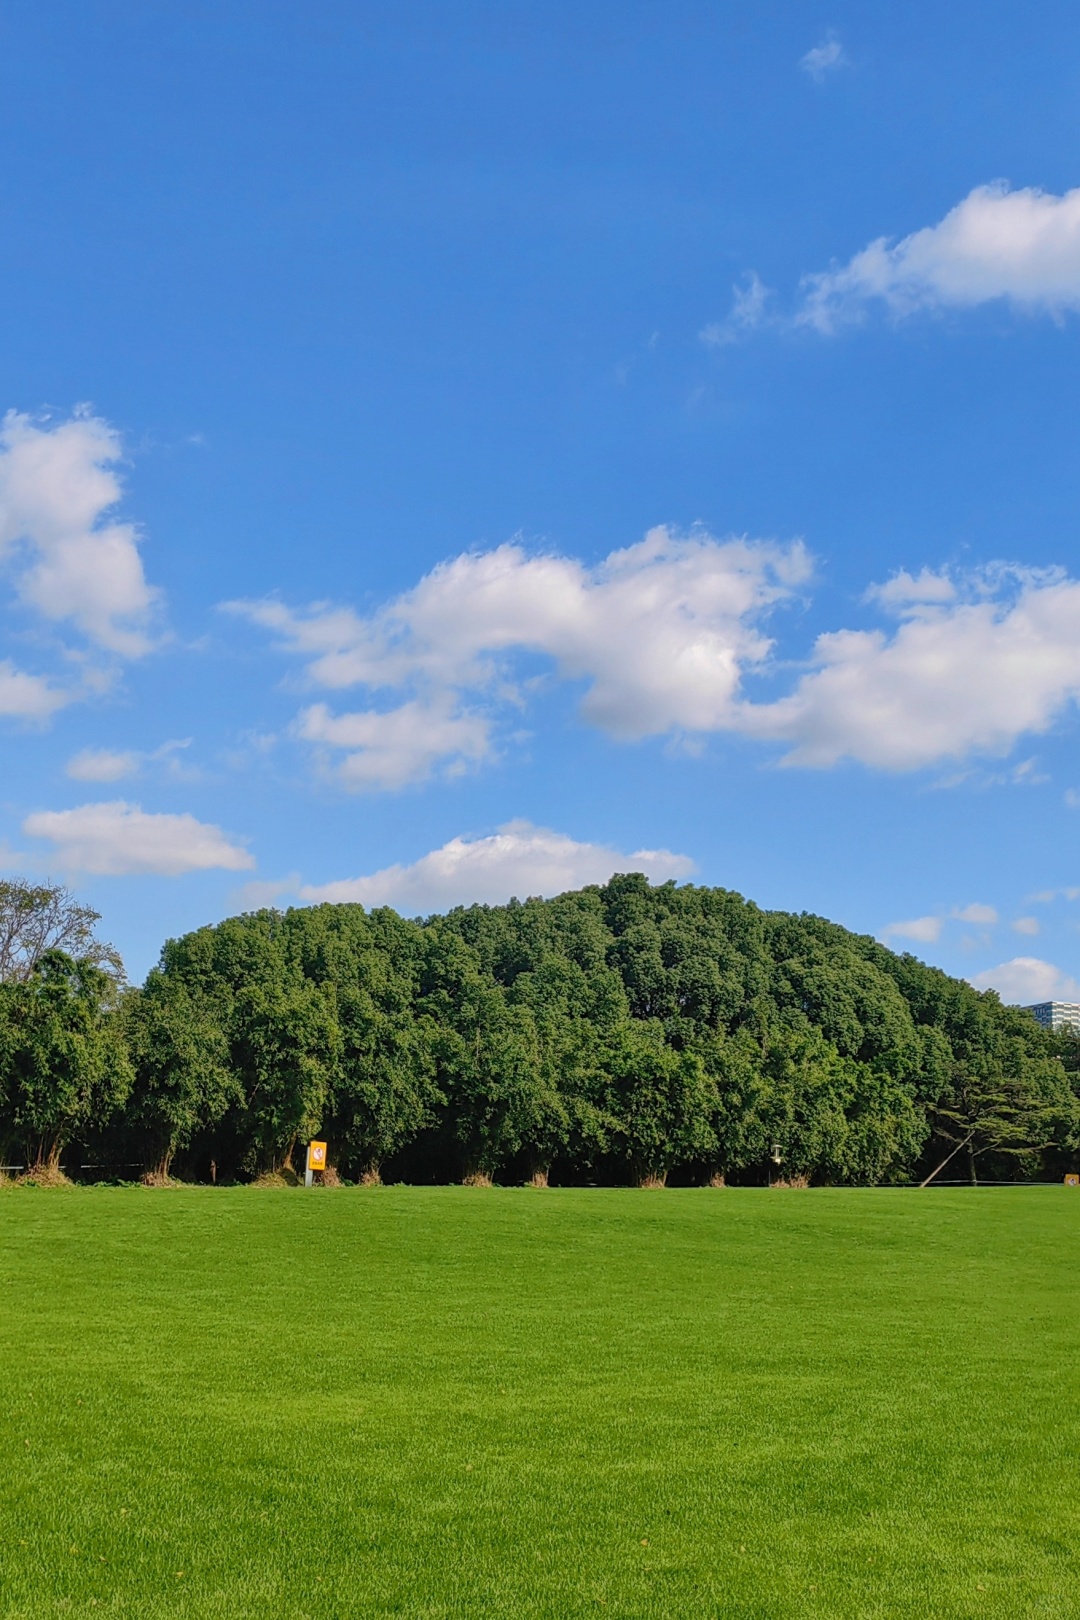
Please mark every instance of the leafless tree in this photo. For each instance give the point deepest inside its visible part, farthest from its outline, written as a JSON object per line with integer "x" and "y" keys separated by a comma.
{"x": 35, "y": 918}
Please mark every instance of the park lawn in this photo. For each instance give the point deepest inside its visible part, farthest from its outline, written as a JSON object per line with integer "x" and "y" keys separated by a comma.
{"x": 494, "y": 1402}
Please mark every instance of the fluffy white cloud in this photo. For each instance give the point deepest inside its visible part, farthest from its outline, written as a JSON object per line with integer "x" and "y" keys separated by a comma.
{"x": 1023, "y": 246}
{"x": 391, "y": 748}
{"x": 663, "y": 637}
{"x": 1026, "y": 980}
{"x": 116, "y": 839}
{"x": 957, "y": 677}
{"x": 658, "y": 633}
{"x": 923, "y": 929}
{"x": 824, "y": 59}
{"x": 519, "y": 859}
{"x": 72, "y": 561}
{"x": 27, "y": 697}
{"x": 102, "y": 765}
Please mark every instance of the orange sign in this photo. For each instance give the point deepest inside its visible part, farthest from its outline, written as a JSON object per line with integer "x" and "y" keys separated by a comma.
{"x": 316, "y": 1155}
{"x": 1072, "y": 1181}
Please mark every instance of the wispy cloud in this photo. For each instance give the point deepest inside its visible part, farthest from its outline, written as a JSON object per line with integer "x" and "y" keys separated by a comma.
{"x": 825, "y": 58}
{"x": 115, "y": 764}
{"x": 749, "y": 310}
{"x": 927, "y": 930}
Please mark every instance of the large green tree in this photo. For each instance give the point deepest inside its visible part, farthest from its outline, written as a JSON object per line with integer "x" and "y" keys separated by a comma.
{"x": 183, "y": 1081}
{"x": 64, "y": 1066}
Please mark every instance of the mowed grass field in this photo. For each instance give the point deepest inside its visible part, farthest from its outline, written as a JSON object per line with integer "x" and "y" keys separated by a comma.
{"x": 466, "y": 1402}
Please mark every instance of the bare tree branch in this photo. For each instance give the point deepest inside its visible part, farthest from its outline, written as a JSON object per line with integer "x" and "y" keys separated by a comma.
{"x": 35, "y": 918}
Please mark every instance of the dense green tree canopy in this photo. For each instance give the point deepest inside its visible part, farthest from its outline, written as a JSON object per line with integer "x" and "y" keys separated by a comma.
{"x": 622, "y": 1032}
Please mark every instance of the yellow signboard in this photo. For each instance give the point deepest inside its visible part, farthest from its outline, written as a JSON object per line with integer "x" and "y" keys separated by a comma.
{"x": 316, "y": 1156}
{"x": 1072, "y": 1181}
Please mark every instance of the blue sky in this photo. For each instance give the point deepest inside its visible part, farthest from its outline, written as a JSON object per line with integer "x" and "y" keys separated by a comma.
{"x": 461, "y": 450}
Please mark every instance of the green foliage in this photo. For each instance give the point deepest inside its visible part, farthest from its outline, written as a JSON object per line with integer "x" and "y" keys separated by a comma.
{"x": 63, "y": 1061}
{"x": 619, "y": 1032}
{"x": 183, "y": 1080}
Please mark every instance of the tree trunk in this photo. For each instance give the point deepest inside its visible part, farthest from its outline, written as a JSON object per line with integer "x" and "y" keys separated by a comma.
{"x": 538, "y": 1177}
{"x": 475, "y": 1173}
{"x": 651, "y": 1176}
{"x": 972, "y": 1177}
{"x": 945, "y": 1161}
{"x": 157, "y": 1174}
{"x": 46, "y": 1155}
{"x": 369, "y": 1175}
{"x": 43, "y": 1161}
{"x": 476, "y": 1178}
{"x": 717, "y": 1179}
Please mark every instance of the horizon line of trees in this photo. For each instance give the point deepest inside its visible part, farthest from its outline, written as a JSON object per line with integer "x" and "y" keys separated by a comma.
{"x": 618, "y": 1033}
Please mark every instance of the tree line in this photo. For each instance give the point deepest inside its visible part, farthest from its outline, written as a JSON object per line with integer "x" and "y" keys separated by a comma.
{"x": 620, "y": 1033}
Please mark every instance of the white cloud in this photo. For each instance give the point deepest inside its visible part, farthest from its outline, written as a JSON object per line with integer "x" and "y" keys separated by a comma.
{"x": 114, "y": 764}
{"x": 1021, "y": 246}
{"x": 519, "y": 859}
{"x": 956, "y": 678}
{"x": 906, "y": 593}
{"x": 924, "y": 929}
{"x": 748, "y": 311}
{"x": 102, "y": 765}
{"x": 72, "y": 561}
{"x": 662, "y": 637}
{"x": 1026, "y": 925}
{"x": 27, "y": 697}
{"x": 927, "y": 930}
{"x": 255, "y": 896}
{"x": 984, "y": 915}
{"x": 825, "y": 58}
{"x": 116, "y": 839}
{"x": 659, "y": 633}
{"x": 1026, "y": 980}
{"x": 391, "y": 748}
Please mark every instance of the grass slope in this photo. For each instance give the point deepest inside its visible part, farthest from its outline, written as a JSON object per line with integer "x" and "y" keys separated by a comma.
{"x": 456, "y": 1402}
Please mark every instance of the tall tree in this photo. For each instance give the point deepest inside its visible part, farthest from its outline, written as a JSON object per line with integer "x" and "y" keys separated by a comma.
{"x": 990, "y": 1111}
{"x": 62, "y": 1057}
{"x": 183, "y": 1083}
{"x": 663, "y": 1103}
{"x": 385, "y": 1091}
{"x": 286, "y": 1046}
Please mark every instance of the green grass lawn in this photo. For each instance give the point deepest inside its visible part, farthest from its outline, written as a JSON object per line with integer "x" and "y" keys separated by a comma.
{"x": 467, "y": 1402}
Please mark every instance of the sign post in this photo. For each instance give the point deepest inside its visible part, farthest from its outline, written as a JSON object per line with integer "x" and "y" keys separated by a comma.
{"x": 316, "y": 1160}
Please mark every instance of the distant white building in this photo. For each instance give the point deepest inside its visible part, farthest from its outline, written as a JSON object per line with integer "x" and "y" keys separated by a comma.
{"x": 1056, "y": 1014}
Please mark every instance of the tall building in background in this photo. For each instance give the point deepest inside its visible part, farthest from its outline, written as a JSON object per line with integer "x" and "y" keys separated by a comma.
{"x": 1056, "y": 1014}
